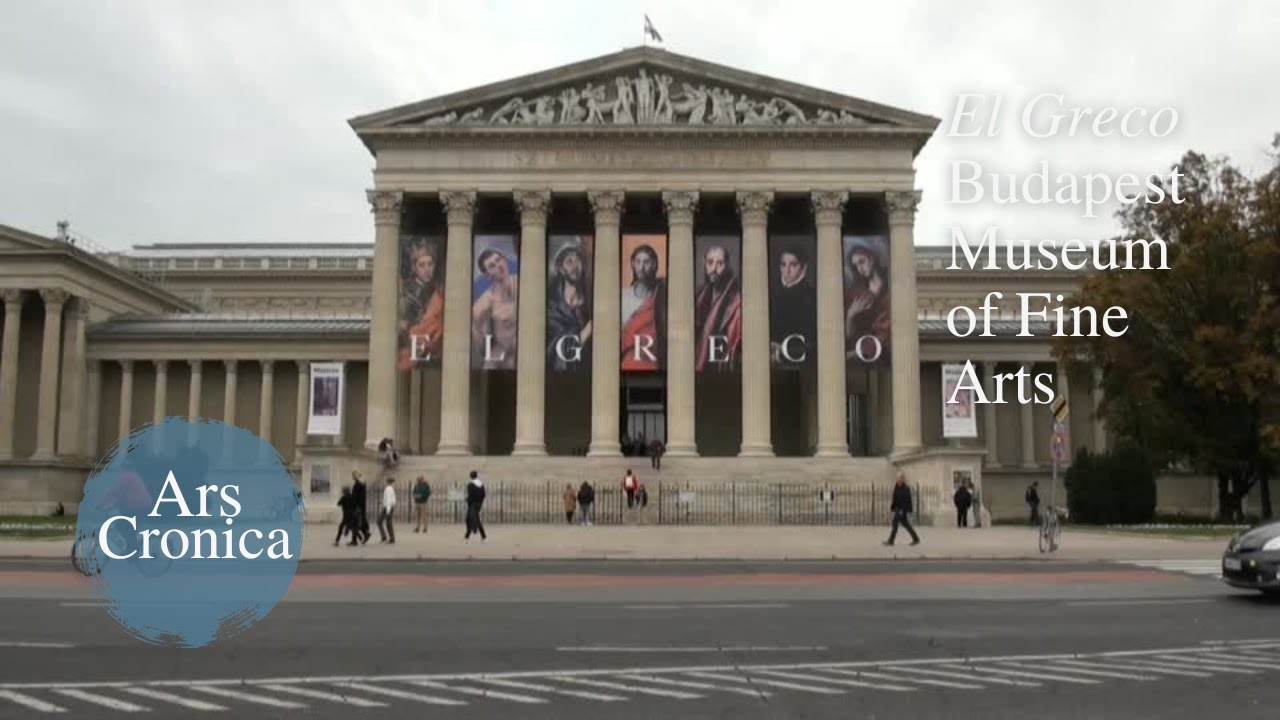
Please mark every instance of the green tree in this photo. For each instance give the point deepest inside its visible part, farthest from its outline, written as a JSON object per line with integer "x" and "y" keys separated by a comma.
{"x": 1195, "y": 381}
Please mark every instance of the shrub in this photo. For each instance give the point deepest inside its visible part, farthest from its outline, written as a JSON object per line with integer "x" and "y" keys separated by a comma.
{"x": 1116, "y": 487}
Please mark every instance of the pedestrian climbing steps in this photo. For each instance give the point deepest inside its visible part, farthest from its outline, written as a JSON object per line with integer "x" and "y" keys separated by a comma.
{"x": 684, "y": 683}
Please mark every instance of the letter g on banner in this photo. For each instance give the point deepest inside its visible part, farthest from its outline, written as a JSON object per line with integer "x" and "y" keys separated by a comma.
{"x": 190, "y": 531}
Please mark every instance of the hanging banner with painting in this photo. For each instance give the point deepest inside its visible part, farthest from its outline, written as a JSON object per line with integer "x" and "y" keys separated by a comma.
{"x": 959, "y": 410}
{"x": 569, "y": 263}
{"x": 421, "y": 313}
{"x": 644, "y": 303}
{"x": 325, "y": 417}
{"x": 867, "y": 320}
{"x": 717, "y": 304}
{"x": 793, "y": 309}
{"x": 495, "y": 289}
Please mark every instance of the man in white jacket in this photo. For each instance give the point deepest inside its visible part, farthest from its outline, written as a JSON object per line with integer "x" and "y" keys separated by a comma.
{"x": 385, "y": 527}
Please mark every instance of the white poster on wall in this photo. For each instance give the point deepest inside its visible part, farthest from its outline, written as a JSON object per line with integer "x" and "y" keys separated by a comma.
{"x": 327, "y": 380}
{"x": 959, "y": 418}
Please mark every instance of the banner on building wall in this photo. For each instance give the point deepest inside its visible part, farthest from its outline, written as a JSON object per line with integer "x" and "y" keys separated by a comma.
{"x": 420, "y": 323}
{"x": 959, "y": 418}
{"x": 327, "y": 379}
{"x": 495, "y": 292}
{"x": 717, "y": 303}
{"x": 644, "y": 303}
{"x": 569, "y": 285}
{"x": 867, "y": 319}
{"x": 793, "y": 309}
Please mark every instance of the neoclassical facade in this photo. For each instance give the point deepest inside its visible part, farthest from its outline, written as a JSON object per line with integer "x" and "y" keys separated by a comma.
{"x": 642, "y": 245}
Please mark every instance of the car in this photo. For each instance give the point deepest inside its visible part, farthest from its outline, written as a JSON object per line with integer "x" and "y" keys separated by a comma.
{"x": 1252, "y": 559}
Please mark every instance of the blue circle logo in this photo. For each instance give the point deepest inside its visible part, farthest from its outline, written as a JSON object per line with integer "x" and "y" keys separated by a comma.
{"x": 190, "y": 531}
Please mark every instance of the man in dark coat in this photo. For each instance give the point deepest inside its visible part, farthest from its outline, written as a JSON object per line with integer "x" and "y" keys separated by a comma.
{"x": 901, "y": 508}
{"x": 963, "y": 500}
{"x": 360, "y": 518}
{"x": 475, "y": 502}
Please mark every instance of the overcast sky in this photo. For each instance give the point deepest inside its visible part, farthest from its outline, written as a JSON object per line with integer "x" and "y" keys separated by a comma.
{"x": 176, "y": 121}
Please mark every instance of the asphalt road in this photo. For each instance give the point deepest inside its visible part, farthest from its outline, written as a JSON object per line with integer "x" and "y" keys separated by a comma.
{"x": 637, "y": 640}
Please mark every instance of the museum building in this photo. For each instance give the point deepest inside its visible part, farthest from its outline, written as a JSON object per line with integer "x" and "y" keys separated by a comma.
{"x": 564, "y": 266}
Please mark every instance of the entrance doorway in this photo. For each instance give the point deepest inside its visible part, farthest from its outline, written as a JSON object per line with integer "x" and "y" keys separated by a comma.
{"x": 644, "y": 411}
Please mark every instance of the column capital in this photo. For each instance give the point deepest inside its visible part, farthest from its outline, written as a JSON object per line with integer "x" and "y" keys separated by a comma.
{"x": 230, "y": 365}
{"x": 459, "y": 206}
{"x": 533, "y": 205}
{"x": 54, "y": 296}
{"x": 126, "y": 365}
{"x": 302, "y": 365}
{"x": 162, "y": 366}
{"x": 385, "y": 206}
{"x": 754, "y": 207}
{"x": 268, "y": 366}
{"x": 681, "y": 206}
{"x": 607, "y": 205}
{"x": 828, "y": 206}
{"x": 197, "y": 366}
{"x": 13, "y": 298}
{"x": 901, "y": 206}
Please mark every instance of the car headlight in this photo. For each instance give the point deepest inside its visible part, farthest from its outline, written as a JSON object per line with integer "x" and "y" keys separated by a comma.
{"x": 1273, "y": 545}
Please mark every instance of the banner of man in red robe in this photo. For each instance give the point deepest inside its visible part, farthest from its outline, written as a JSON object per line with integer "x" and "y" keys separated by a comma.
{"x": 717, "y": 304}
{"x": 644, "y": 303}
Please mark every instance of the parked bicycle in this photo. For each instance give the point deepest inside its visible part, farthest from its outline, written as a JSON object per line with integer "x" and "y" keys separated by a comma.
{"x": 1051, "y": 528}
{"x": 86, "y": 559}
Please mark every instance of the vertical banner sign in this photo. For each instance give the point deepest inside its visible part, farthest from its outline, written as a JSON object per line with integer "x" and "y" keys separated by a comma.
{"x": 327, "y": 380}
{"x": 644, "y": 302}
{"x": 959, "y": 418}
{"x": 717, "y": 303}
{"x": 494, "y": 294}
{"x": 421, "y": 321}
{"x": 866, "y": 299}
{"x": 569, "y": 283}
{"x": 793, "y": 308}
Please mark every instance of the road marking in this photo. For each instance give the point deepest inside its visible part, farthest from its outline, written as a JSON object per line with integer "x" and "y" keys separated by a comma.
{"x": 1218, "y": 666}
{"x": 514, "y": 684}
{"x": 247, "y": 697}
{"x": 931, "y": 681}
{"x": 34, "y": 645}
{"x": 1081, "y": 667}
{"x": 1165, "y": 668}
{"x": 836, "y": 681}
{"x": 399, "y": 694}
{"x": 1242, "y": 662}
{"x": 1208, "y": 568}
{"x": 694, "y": 685}
{"x": 707, "y": 606}
{"x": 481, "y": 692}
{"x": 33, "y": 703}
{"x": 756, "y": 680}
{"x": 102, "y": 700}
{"x": 1124, "y": 666}
{"x": 330, "y": 697}
{"x": 1256, "y": 654}
{"x": 171, "y": 698}
{"x": 1121, "y": 603}
{"x": 951, "y": 671}
{"x": 1039, "y": 676}
{"x": 691, "y": 648}
{"x": 628, "y": 688}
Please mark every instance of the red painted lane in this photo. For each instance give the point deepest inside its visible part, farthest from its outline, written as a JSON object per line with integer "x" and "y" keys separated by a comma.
{"x": 70, "y": 578}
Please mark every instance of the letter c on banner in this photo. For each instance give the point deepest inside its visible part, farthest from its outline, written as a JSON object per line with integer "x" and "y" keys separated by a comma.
{"x": 786, "y": 348}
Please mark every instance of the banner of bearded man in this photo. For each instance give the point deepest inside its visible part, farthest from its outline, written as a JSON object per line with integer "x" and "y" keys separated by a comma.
{"x": 717, "y": 304}
{"x": 644, "y": 303}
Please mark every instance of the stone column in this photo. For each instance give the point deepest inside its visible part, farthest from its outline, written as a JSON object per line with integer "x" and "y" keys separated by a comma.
{"x": 229, "y": 393}
{"x": 47, "y": 415}
{"x": 194, "y": 390}
{"x": 531, "y": 348}
{"x": 9, "y": 368}
{"x": 94, "y": 401}
{"x": 681, "y": 337}
{"x": 71, "y": 399}
{"x": 1028, "y": 427}
{"x": 455, "y": 365}
{"x": 606, "y": 362}
{"x": 266, "y": 403}
{"x": 383, "y": 319}
{"x": 1099, "y": 425}
{"x": 828, "y": 215}
{"x": 303, "y": 408}
{"x": 162, "y": 390}
{"x": 126, "y": 399}
{"x": 414, "y": 445}
{"x": 989, "y": 437}
{"x": 901, "y": 206}
{"x": 756, "y": 385}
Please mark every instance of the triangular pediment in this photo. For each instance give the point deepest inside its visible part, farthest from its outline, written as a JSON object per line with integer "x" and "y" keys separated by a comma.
{"x": 644, "y": 87}
{"x": 11, "y": 238}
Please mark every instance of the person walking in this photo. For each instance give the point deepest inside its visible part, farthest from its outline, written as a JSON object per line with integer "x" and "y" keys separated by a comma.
{"x": 360, "y": 520}
{"x": 348, "y": 516}
{"x": 901, "y": 508}
{"x": 963, "y": 499}
{"x": 570, "y": 502}
{"x": 586, "y": 504}
{"x": 1033, "y": 501}
{"x": 386, "y": 529}
{"x": 629, "y": 484}
{"x": 975, "y": 504}
{"x": 421, "y": 494}
{"x": 475, "y": 503}
{"x": 656, "y": 450}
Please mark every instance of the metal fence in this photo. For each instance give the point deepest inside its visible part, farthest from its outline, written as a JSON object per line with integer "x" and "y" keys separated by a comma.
{"x": 669, "y": 503}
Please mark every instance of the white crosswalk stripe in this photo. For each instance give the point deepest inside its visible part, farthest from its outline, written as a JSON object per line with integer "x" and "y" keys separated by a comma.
{"x": 1235, "y": 658}
{"x": 1206, "y": 568}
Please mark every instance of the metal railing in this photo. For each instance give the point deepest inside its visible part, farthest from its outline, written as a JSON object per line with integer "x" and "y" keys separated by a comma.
{"x": 669, "y": 503}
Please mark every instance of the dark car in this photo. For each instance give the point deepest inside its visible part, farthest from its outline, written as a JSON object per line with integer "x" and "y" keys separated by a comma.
{"x": 1252, "y": 559}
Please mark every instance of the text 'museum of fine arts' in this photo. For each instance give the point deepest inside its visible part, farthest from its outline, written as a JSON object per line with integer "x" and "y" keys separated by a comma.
{"x": 634, "y": 248}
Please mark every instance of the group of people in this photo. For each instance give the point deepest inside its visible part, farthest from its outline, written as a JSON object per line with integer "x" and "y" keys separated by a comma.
{"x": 355, "y": 520}
{"x": 583, "y": 500}
{"x": 966, "y": 499}
{"x": 638, "y": 447}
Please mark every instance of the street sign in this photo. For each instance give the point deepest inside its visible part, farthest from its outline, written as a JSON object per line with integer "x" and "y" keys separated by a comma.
{"x": 1058, "y": 444}
{"x": 826, "y": 496}
{"x": 1060, "y": 409}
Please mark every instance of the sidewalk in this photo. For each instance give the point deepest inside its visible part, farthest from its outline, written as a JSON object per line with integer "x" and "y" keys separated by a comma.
{"x": 563, "y": 542}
